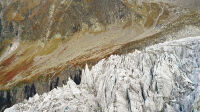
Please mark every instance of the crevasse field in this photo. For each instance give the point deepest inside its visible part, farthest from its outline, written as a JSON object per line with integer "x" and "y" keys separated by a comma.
{"x": 164, "y": 77}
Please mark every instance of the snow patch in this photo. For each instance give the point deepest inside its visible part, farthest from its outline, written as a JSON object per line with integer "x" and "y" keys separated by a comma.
{"x": 15, "y": 44}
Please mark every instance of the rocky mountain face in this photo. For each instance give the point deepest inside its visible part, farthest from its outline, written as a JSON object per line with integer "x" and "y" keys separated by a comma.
{"x": 44, "y": 42}
{"x": 164, "y": 77}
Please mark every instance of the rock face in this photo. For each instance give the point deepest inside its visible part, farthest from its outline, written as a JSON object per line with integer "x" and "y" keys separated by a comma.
{"x": 164, "y": 77}
{"x": 45, "y": 18}
{"x": 25, "y": 91}
{"x": 44, "y": 42}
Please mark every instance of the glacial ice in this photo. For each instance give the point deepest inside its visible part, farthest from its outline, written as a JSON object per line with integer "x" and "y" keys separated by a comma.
{"x": 163, "y": 77}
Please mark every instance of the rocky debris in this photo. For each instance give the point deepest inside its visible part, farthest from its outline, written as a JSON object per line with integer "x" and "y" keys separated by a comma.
{"x": 164, "y": 77}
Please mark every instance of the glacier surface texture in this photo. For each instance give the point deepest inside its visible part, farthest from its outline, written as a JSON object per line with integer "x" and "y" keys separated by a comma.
{"x": 164, "y": 77}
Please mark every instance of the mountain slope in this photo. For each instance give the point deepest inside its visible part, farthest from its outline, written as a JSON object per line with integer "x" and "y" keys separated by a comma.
{"x": 163, "y": 77}
{"x": 44, "y": 42}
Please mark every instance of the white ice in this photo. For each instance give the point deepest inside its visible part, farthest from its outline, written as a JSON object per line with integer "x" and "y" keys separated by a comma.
{"x": 164, "y": 77}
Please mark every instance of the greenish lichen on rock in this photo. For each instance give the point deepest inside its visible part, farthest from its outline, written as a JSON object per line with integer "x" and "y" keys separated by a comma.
{"x": 1, "y": 27}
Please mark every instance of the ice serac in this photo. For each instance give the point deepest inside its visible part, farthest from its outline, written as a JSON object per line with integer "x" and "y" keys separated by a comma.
{"x": 164, "y": 77}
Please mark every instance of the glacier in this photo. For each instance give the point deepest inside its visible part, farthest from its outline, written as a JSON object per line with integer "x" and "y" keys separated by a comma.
{"x": 163, "y": 77}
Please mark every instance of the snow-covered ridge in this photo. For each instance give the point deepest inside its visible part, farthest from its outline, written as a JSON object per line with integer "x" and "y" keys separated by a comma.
{"x": 164, "y": 77}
